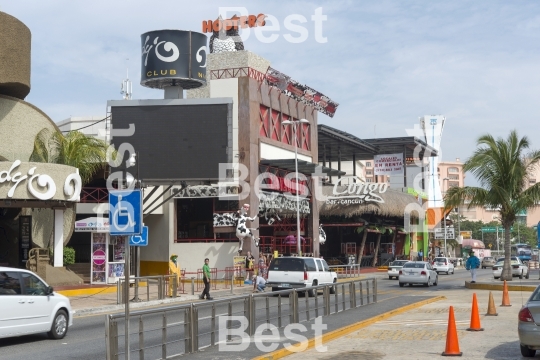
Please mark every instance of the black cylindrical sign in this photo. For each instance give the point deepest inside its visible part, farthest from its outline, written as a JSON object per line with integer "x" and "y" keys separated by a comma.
{"x": 173, "y": 58}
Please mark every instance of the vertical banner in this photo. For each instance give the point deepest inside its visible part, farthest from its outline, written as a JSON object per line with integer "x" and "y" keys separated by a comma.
{"x": 25, "y": 238}
{"x": 99, "y": 258}
{"x": 388, "y": 164}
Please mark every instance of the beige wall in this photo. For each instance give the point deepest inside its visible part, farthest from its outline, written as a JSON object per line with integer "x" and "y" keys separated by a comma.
{"x": 191, "y": 255}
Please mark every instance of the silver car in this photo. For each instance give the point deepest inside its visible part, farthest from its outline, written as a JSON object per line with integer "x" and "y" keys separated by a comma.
{"x": 395, "y": 266}
{"x": 518, "y": 268}
{"x": 528, "y": 325}
{"x": 418, "y": 272}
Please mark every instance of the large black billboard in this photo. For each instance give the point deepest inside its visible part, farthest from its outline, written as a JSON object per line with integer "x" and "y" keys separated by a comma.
{"x": 173, "y": 58}
{"x": 175, "y": 142}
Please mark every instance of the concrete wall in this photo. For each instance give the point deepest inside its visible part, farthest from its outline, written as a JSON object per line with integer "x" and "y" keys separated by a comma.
{"x": 191, "y": 255}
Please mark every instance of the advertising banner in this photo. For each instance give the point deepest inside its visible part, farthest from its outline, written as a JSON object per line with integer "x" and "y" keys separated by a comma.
{"x": 388, "y": 164}
{"x": 300, "y": 92}
{"x": 25, "y": 236}
{"x": 173, "y": 57}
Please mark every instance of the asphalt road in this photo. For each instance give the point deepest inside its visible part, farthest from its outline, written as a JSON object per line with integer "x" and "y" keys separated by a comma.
{"x": 86, "y": 339}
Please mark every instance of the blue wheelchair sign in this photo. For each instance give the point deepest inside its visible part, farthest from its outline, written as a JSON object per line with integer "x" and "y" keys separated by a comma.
{"x": 125, "y": 212}
{"x": 139, "y": 240}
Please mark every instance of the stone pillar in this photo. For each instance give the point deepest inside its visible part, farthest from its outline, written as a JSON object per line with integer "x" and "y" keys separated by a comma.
{"x": 58, "y": 237}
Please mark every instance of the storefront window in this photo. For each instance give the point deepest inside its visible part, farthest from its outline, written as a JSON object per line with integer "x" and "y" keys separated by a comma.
{"x": 194, "y": 218}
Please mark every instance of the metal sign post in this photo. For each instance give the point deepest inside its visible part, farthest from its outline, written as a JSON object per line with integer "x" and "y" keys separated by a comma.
{"x": 125, "y": 214}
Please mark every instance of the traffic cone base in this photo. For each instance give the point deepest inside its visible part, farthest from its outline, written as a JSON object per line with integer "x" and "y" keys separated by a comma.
{"x": 452, "y": 343}
{"x": 491, "y": 306}
{"x": 471, "y": 329}
{"x": 506, "y": 297}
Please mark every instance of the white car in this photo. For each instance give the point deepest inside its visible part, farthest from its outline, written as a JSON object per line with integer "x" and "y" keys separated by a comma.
{"x": 30, "y": 306}
{"x": 518, "y": 268}
{"x": 395, "y": 266}
{"x": 418, "y": 272}
{"x": 443, "y": 264}
{"x": 299, "y": 272}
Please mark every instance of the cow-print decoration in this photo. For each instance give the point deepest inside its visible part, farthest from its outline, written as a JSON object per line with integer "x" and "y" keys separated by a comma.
{"x": 225, "y": 219}
{"x": 225, "y": 40}
{"x": 242, "y": 231}
{"x": 322, "y": 235}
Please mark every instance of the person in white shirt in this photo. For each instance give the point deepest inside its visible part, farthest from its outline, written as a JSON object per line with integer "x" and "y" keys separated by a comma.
{"x": 258, "y": 283}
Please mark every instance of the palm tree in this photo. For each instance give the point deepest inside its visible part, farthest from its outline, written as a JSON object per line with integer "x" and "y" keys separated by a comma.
{"x": 503, "y": 169}
{"x": 86, "y": 153}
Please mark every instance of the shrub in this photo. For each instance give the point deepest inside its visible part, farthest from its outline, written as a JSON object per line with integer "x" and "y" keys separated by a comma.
{"x": 69, "y": 256}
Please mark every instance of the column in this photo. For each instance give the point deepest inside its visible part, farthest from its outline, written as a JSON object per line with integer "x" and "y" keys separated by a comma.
{"x": 58, "y": 238}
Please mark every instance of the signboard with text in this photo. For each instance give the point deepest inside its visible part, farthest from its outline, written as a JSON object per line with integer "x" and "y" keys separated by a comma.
{"x": 439, "y": 233}
{"x": 388, "y": 164}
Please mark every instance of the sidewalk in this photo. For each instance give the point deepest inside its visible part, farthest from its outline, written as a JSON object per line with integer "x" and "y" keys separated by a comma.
{"x": 96, "y": 299}
{"x": 421, "y": 333}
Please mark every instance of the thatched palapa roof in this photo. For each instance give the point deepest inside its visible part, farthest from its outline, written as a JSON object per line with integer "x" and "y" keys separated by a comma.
{"x": 393, "y": 202}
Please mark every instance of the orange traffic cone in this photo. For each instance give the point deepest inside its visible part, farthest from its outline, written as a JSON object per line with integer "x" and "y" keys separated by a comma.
{"x": 491, "y": 306}
{"x": 452, "y": 343}
{"x": 475, "y": 316}
{"x": 506, "y": 298}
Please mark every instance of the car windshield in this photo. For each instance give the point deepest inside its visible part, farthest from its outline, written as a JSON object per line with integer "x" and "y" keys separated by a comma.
{"x": 512, "y": 262}
{"x": 488, "y": 258}
{"x": 414, "y": 265}
{"x": 398, "y": 263}
{"x": 440, "y": 259}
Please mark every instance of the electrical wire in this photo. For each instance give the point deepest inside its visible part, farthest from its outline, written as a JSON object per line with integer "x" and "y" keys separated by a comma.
{"x": 84, "y": 127}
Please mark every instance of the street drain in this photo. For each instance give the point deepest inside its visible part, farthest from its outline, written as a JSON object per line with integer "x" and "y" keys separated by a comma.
{"x": 356, "y": 355}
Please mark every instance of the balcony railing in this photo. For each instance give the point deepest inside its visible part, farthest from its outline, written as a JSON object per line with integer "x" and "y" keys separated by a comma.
{"x": 94, "y": 195}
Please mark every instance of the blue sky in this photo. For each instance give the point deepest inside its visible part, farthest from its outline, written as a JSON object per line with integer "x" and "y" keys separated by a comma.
{"x": 386, "y": 62}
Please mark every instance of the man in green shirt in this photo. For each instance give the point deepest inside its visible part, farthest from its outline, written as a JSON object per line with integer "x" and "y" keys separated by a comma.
{"x": 206, "y": 280}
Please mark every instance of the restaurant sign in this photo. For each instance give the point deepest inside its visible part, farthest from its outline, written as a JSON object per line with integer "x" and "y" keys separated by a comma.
{"x": 356, "y": 192}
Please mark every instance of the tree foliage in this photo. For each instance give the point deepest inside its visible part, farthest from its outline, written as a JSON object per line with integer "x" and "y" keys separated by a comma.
{"x": 502, "y": 168}
{"x": 86, "y": 153}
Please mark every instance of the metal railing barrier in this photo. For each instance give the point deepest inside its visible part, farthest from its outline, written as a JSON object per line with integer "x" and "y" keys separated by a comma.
{"x": 187, "y": 328}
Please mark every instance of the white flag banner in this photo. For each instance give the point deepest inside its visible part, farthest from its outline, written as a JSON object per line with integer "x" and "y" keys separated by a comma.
{"x": 388, "y": 164}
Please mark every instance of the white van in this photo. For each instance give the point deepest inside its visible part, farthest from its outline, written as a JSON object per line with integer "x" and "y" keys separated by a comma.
{"x": 29, "y": 306}
{"x": 299, "y": 272}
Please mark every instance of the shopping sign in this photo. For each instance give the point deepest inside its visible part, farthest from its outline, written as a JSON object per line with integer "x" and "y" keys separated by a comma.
{"x": 139, "y": 240}
{"x": 125, "y": 212}
{"x": 439, "y": 233}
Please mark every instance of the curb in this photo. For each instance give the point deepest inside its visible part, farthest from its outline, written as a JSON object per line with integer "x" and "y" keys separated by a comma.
{"x": 89, "y": 291}
{"x": 481, "y": 286}
{"x": 278, "y": 354}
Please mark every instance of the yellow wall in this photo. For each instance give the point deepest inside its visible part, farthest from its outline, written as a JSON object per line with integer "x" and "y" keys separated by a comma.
{"x": 151, "y": 268}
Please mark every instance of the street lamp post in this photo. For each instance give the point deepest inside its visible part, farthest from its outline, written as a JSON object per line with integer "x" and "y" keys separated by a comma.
{"x": 132, "y": 161}
{"x": 294, "y": 124}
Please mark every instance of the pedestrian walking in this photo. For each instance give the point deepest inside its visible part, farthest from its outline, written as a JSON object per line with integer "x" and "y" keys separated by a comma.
{"x": 206, "y": 280}
{"x": 259, "y": 283}
{"x": 472, "y": 264}
{"x": 174, "y": 269}
{"x": 420, "y": 255}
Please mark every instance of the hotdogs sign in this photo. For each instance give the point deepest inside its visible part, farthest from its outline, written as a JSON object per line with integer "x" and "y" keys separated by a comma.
{"x": 20, "y": 180}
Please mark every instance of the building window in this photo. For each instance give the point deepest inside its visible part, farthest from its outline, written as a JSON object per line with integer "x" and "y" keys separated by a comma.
{"x": 368, "y": 164}
{"x": 369, "y": 180}
{"x": 369, "y": 172}
{"x": 452, "y": 184}
{"x": 532, "y": 181}
{"x": 453, "y": 170}
{"x": 453, "y": 177}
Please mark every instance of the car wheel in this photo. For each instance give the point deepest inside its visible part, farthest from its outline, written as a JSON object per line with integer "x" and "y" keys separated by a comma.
{"x": 526, "y": 352}
{"x": 448, "y": 272}
{"x": 274, "y": 289}
{"x": 427, "y": 284}
{"x": 521, "y": 274}
{"x": 527, "y": 276}
{"x": 483, "y": 267}
{"x": 59, "y": 326}
{"x": 401, "y": 284}
{"x": 436, "y": 281}
{"x": 390, "y": 278}
{"x": 410, "y": 284}
{"x": 333, "y": 288}
{"x": 453, "y": 271}
{"x": 495, "y": 277}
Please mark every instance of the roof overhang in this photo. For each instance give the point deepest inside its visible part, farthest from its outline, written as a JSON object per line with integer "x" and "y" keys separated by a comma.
{"x": 304, "y": 167}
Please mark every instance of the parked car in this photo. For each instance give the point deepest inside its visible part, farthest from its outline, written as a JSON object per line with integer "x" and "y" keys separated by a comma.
{"x": 518, "y": 268}
{"x": 418, "y": 272}
{"x": 488, "y": 261}
{"x": 443, "y": 264}
{"x": 30, "y": 306}
{"x": 394, "y": 267}
{"x": 528, "y": 317}
{"x": 298, "y": 272}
